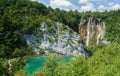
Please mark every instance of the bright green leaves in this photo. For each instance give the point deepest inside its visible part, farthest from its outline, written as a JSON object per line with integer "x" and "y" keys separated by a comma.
{"x": 104, "y": 62}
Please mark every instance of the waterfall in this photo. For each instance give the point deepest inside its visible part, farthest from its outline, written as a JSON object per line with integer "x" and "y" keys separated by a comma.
{"x": 101, "y": 32}
{"x": 98, "y": 39}
{"x": 92, "y": 31}
{"x": 88, "y": 33}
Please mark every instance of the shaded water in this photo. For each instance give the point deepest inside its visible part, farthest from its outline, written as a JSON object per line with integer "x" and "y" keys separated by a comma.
{"x": 37, "y": 63}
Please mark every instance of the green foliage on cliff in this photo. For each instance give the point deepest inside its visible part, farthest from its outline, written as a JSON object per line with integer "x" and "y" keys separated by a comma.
{"x": 112, "y": 21}
{"x": 18, "y": 17}
{"x": 104, "y": 62}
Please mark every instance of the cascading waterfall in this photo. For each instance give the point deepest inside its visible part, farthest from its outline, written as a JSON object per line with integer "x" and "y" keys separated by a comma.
{"x": 92, "y": 31}
{"x": 88, "y": 33}
{"x": 101, "y": 32}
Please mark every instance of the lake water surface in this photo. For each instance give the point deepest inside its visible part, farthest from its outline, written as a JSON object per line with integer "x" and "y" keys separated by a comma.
{"x": 35, "y": 64}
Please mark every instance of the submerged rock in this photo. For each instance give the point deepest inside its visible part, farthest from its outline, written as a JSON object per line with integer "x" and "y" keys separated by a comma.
{"x": 54, "y": 37}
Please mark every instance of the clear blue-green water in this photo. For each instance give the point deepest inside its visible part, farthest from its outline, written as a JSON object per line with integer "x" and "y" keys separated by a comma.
{"x": 35, "y": 64}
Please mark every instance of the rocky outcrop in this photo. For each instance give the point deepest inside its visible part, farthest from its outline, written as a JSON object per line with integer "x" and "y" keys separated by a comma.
{"x": 54, "y": 37}
{"x": 92, "y": 31}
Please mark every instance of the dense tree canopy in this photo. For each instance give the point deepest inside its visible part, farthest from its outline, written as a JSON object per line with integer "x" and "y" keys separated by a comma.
{"x": 18, "y": 17}
{"x": 104, "y": 62}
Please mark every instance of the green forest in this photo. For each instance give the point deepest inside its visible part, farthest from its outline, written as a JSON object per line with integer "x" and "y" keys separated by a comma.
{"x": 19, "y": 17}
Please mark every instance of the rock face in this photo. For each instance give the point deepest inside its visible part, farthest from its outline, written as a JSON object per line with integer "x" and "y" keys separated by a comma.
{"x": 54, "y": 37}
{"x": 92, "y": 31}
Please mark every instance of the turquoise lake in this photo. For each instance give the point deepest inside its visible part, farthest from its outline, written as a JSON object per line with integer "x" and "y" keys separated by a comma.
{"x": 35, "y": 64}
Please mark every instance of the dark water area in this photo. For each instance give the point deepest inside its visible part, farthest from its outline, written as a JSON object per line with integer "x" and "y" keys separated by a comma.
{"x": 35, "y": 64}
